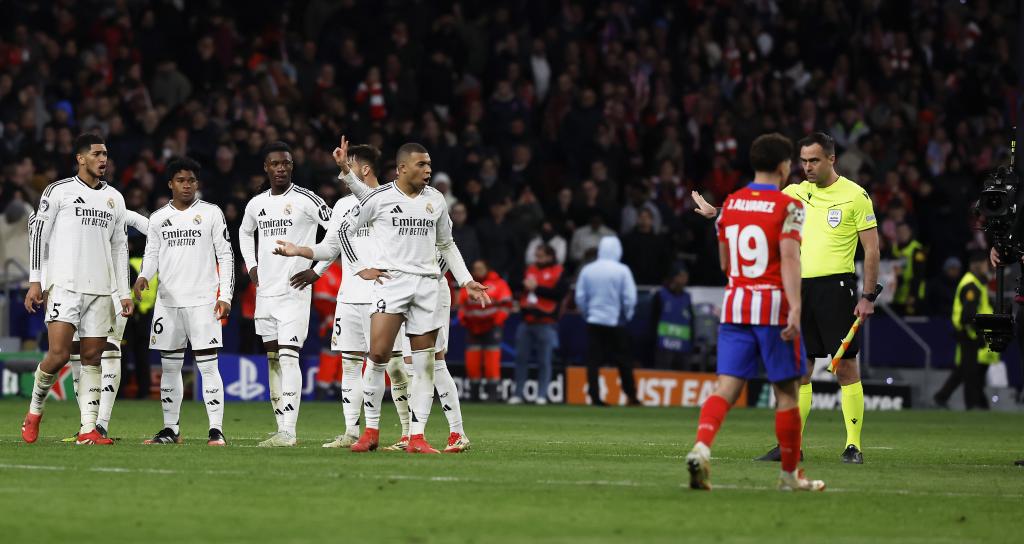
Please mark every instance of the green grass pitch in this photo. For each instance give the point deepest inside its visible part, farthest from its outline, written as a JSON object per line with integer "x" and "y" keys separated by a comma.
{"x": 535, "y": 474}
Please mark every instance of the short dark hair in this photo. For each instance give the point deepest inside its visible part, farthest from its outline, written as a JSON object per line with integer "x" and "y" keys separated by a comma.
{"x": 275, "y": 146}
{"x": 178, "y": 164}
{"x": 548, "y": 250}
{"x": 409, "y": 149}
{"x": 85, "y": 141}
{"x": 770, "y": 150}
{"x": 366, "y": 154}
{"x": 827, "y": 143}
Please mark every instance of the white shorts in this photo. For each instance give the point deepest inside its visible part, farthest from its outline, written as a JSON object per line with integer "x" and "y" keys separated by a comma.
{"x": 119, "y": 323}
{"x": 284, "y": 318}
{"x": 414, "y": 296}
{"x": 175, "y": 328}
{"x": 91, "y": 315}
{"x": 352, "y": 328}
{"x": 444, "y": 311}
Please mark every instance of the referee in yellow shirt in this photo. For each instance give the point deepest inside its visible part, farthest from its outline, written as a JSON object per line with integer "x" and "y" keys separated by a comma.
{"x": 838, "y": 214}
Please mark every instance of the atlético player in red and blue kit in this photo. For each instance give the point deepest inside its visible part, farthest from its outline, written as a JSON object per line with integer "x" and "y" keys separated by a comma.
{"x": 759, "y": 249}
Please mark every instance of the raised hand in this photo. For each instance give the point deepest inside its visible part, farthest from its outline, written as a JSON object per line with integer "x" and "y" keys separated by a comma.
{"x": 340, "y": 155}
{"x": 703, "y": 207}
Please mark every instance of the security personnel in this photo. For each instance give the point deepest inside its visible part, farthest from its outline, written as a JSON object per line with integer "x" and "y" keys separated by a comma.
{"x": 839, "y": 213}
{"x": 672, "y": 309}
{"x": 972, "y": 355}
{"x": 910, "y": 288}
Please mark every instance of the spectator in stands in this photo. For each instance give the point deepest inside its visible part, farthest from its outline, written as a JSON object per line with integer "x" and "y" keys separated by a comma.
{"x": 14, "y": 233}
{"x": 547, "y": 236}
{"x": 606, "y": 296}
{"x": 587, "y": 237}
{"x": 537, "y": 337}
{"x": 465, "y": 234}
{"x": 645, "y": 252}
{"x": 485, "y": 326}
{"x": 672, "y": 317}
{"x": 504, "y": 240}
{"x": 639, "y": 199}
{"x": 942, "y": 288}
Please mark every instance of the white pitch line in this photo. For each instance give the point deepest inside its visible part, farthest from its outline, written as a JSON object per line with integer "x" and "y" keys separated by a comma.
{"x": 599, "y": 483}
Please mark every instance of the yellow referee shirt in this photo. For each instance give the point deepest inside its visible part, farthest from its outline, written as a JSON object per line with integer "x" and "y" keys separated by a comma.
{"x": 834, "y": 217}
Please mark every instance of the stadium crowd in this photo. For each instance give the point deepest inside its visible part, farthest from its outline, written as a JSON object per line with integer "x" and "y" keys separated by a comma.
{"x": 550, "y": 123}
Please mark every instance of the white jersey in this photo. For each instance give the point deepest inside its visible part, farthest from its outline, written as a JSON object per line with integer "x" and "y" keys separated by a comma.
{"x": 79, "y": 234}
{"x": 186, "y": 247}
{"x": 354, "y": 290}
{"x": 409, "y": 230}
{"x": 292, "y": 216}
{"x": 135, "y": 220}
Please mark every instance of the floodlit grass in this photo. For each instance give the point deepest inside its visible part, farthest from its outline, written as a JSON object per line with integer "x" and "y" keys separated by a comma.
{"x": 553, "y": 474}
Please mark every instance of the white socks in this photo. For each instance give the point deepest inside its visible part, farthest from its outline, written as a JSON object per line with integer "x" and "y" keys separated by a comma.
{"x": 275, "y": 386}
{"x": 171, "y": 387}
{"x": 373, "y": 392}
{"x": 40, "y": 390}
{"x": 448, "y": 394}
{"x": 291, "y": 389}
{"x": 213, "y": 389}
{"x": 351, "y": 391}
{"x": 422, "y": 390}
{"x": 400, "y": 390}
{"x": 76, "y": 374}
{"x": 110, "y": 382}
{"x": 89, "y": 390}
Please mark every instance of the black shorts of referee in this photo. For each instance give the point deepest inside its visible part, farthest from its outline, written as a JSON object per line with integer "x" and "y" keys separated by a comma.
{"x": 827, "y": 304}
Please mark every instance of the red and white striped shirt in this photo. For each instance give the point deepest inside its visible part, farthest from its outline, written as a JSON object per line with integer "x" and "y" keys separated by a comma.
{"x": 753, "y": 223}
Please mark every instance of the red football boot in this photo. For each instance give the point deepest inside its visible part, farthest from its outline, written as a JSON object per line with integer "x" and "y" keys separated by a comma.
{"x": 457, "y": 443}
{"x": 93, "y": 438}
{"x": 368, "y": 442}
{"x": 418, "y": 444}
{"x": 30, "y": 427}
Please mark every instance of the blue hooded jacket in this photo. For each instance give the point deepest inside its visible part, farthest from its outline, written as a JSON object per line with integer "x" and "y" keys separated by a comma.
{"x": 605, "y": 290}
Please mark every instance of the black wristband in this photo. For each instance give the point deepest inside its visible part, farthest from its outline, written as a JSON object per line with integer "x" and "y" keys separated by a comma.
{"x": 869, "y": 296}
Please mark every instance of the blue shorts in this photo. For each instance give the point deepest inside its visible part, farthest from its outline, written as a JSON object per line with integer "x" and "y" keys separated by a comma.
{"x": 741, "y": 347}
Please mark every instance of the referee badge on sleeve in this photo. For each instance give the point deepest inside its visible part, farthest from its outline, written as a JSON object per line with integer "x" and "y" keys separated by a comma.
{"x": 835, "y": 217}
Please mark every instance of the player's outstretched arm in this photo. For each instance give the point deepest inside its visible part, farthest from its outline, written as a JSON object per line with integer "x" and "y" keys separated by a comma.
{"x": 288, "y": 249}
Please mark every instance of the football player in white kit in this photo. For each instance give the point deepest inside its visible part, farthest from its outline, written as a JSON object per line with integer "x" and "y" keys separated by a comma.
{"x": 351, "y": 335}
{"x": 285, "y": 211}
{"x": 80, "y": 231}
{"x": 411, "y": 224}
{"x": 110, "y": 359}
{"x": 187, "y": 243}
{"x": 447, "y": 391}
